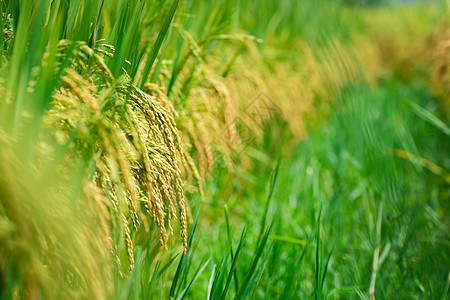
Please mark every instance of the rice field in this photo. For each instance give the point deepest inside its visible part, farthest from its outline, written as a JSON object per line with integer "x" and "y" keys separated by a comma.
{"x": 190, "y": 149}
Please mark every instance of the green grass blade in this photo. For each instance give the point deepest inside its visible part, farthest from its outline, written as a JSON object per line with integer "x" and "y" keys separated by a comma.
{"x": 273, "y": 180}
{"x": 137, "y": 280}
{"x": 230, "y": 243}
{"x": 251, "y": 274}
{"x": 318, "y": 261}
{"x": 155, "y": 72}
{"x": 133, "y": 277}
{"x": 183, "y": 259}
{"x": 429, "y": 117}
{"x": 158, "y": 43}
{"x": 233, "y": 264}
{"x": 167, "y": 265}
{"x": 290, "y": 281}
{"x": 176, "y": 69}
{"x": 211, "y": 282}
{"x": 197, "y": 274}
{"x": 219, "y": 278}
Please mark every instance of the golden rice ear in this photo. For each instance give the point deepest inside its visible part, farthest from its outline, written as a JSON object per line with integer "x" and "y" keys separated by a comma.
{"x": 139, "y": 150}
